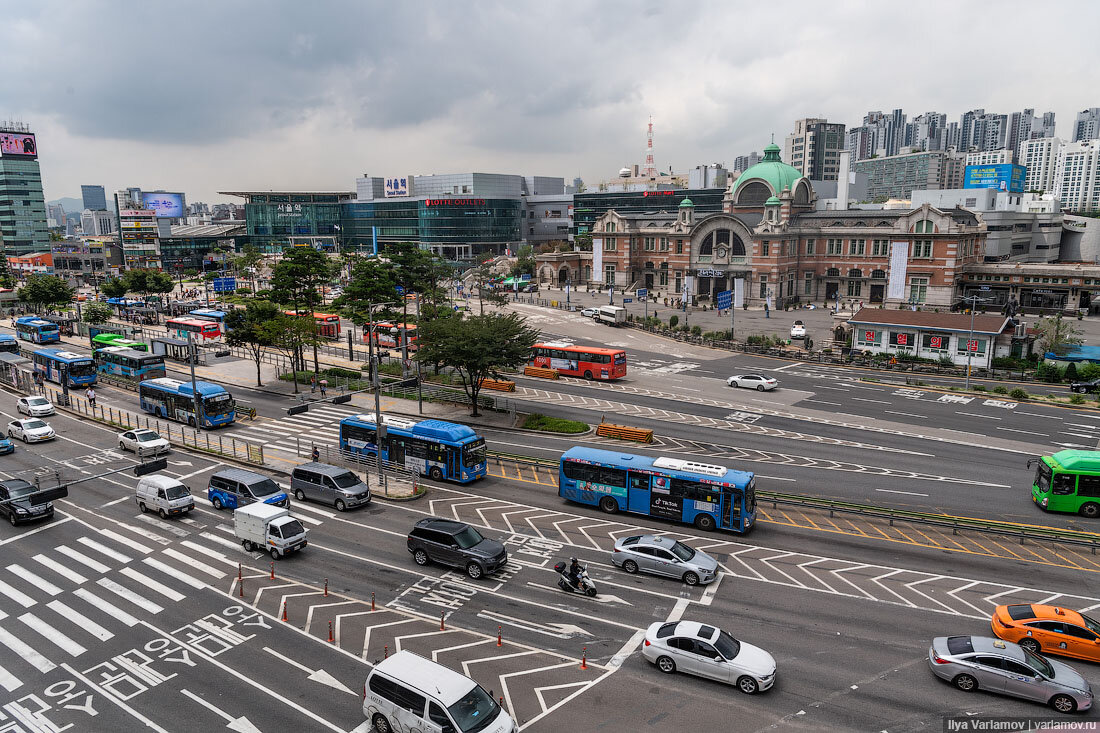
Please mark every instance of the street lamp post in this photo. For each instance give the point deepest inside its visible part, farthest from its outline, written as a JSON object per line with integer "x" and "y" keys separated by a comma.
{"x": 194, "y": 386}
{"x": 974, "y": 300}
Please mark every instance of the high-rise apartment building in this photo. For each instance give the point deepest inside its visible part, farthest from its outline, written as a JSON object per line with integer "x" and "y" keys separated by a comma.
{"x": 897, "y": 176}
{"x": 743, "y": 162}
{"x": 94, "y": 198}
{"x": 814, "y": 148}
{"x": 23, "y": 227}
{"x": 1077, "y": 176}
{"x": 1087, "y": 125}
{"x": 991, "y": 157}
{"x": 97, "y": 222}
{"x": 55, "y": 216}
{"x": 1040, "y": 156}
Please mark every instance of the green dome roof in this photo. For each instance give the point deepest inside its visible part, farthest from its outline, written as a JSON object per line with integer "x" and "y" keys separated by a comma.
{"x": 686, "y": 202}
{"x": 772, "y": 171}
{"x": 773, "y": 201}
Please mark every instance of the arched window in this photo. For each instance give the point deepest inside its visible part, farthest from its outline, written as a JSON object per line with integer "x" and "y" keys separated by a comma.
{"x": 754, "y": 194}
{"x": 802, "y": 193}
{"x": 924, "y": 226}
{"x": 832, "y": 272}
{"x": 878, "y": 274}
{"x": 722, "y": 237}
{"x": 737, "y": 247}
{"x": 707, "y": 247}
{"x": 649, "y": 265}
{"x": 855, "y": 272}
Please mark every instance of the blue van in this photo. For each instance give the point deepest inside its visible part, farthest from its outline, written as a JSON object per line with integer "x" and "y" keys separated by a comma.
{"x": 234, "y": 487}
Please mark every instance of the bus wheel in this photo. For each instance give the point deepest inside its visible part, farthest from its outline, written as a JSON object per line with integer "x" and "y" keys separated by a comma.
{"x": 609, "y": 505}
{"x": 588, "y": 375}
{"x": 436, "y": 474}
{"x": 705, "y": 522}
{"x": 1090, "y": 510}
{"x": 191, "y": 421}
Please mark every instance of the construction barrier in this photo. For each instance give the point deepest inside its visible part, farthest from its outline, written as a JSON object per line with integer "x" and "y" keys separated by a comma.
{"x": 501, "y": 385}
{"x": 540, "y": 372}
{"x": 624, "y": 432}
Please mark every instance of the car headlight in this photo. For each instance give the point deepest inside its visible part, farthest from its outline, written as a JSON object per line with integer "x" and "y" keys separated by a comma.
{"x": 20, "y": 510}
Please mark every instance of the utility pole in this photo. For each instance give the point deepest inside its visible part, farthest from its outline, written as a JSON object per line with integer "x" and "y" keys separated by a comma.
{"x": 970, "y": 352}
{"x": 194, "y": 386}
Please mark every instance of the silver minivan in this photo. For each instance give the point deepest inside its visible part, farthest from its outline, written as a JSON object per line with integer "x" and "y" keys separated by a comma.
{"x": 338, "y": 487}
{"x": 164, "y": 495}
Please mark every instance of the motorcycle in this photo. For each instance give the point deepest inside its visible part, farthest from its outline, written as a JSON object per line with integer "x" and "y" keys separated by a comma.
{"x": 566, "y": 581}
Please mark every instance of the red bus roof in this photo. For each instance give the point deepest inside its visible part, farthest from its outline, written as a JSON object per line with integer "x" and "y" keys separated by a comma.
{"x": 387, "y": 324}
{"x": 575, "y": 348}
{"x": 191, "y": 322}
{"x": 318, "y": 316}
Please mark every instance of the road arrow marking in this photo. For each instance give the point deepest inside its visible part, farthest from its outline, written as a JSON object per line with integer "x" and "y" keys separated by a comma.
{"x": 560, "y": 631}
{"x": 180, "y": 463}
{"x": 597, "y": 599}
{"x": 319, "y": 675}
{"x": 239, "y": 725}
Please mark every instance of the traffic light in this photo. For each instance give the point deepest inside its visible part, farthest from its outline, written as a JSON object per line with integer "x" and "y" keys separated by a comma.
{"x": 410, "y": 382}
{"x": 341, "y": 399}
{"x": 41, "y": 497}
{"x": 297, "y": 409}
{"x": 151, "y": 467}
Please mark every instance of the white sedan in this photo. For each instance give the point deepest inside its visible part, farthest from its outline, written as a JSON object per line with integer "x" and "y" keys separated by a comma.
{"x": 143, "y": 442}
{"x": 707, "y": 651}
{"x": 30, "y": 430}
{"x": 34, "y": 405}
{"x": 798, "y": 330}
{"x": 753, "y": 381}
{"x": 590, "y": 312}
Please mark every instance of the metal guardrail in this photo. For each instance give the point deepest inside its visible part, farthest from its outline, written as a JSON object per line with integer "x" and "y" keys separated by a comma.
{"x": 383, "y": 472}
{"x": 1022, "y": 532}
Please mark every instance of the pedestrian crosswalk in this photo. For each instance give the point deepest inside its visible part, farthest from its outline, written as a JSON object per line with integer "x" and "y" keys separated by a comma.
{"x": 320, "y": 426}
{"x": 57, "y": 605}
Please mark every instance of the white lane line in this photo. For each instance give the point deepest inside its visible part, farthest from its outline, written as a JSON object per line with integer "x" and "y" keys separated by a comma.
{"x": 52, "y": 635}
{"x": 41, "y": 583}
{"x": 865, "y": 399}
{"x": 910, "y": 493}
{"x": 9, "y": 681}
{"x": 974, "y": 414}
{"x": 835, "y": 389}
{"x": 60, "y": 569}
{"x": 173, "y": 573}
{"x": 823, "y": 402}
{"x": 16, "y": 595}
{"x": 132, "y": 544}
{"x": 108, "y": 608}
{"x": 112, "y": 502}
{"x": 129, "y": 595}
{"x": 191, "y": 562}
{"x": 160, "y": 524}
{"x": 83, "y": 559}
{"x": 788, "y": 366}
{"x": 907, "y": 414}
{"x": 81, "y": 620}
{"x": 208, "y": 552}
{"x": 26, "y": 651}
{"x": 1076, "y": 435}
{"x": 1025, "y": 432}
{"x": 222, "y": 541}
{"x": 153, "y": 585}
{"x": 104, "y": 550}
{"x": 312, "y": 509}
{"x": 678, "y": 610}
{"x": 1035, "y": 414}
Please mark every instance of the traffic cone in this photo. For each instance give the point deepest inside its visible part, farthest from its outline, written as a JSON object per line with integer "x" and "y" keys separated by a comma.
{"x": 284, "y": 610}
{"x": 584, "y": 658}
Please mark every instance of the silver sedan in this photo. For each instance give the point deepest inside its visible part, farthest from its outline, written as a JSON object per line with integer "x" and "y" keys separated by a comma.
{"x": 983, "y": 663}
{"x": 649, "y": 553}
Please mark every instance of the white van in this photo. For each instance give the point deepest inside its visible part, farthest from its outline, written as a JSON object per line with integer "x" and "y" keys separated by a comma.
{"x": 164, "y": 495}
{"x": 612, "y": 315}
{"x": 407, "y": 692}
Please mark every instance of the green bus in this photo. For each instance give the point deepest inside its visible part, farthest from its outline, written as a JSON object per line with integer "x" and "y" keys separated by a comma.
{"x": 1068, "y": 481}
{"x": 101, "y": 340}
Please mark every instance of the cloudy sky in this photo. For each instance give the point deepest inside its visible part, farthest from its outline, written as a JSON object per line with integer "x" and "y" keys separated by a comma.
{"x": 212, "y": 96}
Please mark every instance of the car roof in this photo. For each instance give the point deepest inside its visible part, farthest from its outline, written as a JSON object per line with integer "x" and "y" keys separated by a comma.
{"x": 989, "y": 645}
{"x": 442, "y": 525}
{"x": 160, "y": 481}
{"x": 696, "y": 630}
{"x": 14, "y": 483}
{"x": 443, "y": 683}
{"x": 239, "y": 474}
{"x": 653, "y": 540}
{"x": 325, "y": 469}
{"x": 1048, "y": 613}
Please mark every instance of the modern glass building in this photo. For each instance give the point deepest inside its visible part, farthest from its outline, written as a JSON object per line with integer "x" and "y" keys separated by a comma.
{"x": 22, "y": 206}
{"x": 587, "y": 207}
{"x": 278, "y": 219}
{"x": 455, "y": 228}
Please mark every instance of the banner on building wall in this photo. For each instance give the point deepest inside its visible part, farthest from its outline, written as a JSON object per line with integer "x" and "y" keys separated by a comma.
{"x": 597, "y": 260}
{"x": 689, "y": 281}
{"x": 899, "y": 261}
{"x": 739, "y": 292}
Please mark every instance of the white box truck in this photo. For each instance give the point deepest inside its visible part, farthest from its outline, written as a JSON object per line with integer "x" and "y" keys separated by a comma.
{"x": 268, "y": 528}
{"x": 612, "y": 315}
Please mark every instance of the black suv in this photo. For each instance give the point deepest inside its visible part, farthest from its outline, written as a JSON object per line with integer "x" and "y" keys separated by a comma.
{"x": 456, "y": 544}
{"x": 1085, "y": 386}
{"x": 21, "y": 507}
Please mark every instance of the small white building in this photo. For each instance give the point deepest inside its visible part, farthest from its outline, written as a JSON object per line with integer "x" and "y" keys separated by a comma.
{"x": 932, "y": 335}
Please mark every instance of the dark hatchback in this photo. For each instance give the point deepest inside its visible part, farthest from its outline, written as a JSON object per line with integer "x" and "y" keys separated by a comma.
{"x": 456, "y": 544}
{"x": 17, "y": 502}
{"x": 1079, "y": 387}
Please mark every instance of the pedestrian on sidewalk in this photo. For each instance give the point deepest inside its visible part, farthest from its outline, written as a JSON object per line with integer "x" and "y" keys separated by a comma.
{"x": 767, "y": 310}
{"x": 90, "y": 396}
{"x": 313, "y": 383}
{"x": 324, "y": 387}
{"x": 316, "y": 455}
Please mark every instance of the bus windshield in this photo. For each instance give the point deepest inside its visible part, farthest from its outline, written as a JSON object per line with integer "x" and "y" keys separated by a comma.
{"x": 474, "y": 453}
{"x": 219, "y": 404}
{"x": 1042, "y": 476}
{"x": 81, "y": 369}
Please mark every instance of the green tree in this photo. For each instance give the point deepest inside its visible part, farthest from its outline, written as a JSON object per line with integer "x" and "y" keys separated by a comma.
{"x": 290, "y": 335}
{"x": 525, "y": 261}
{"x": 7, "y": 277}
{"x": 480, "y": 281}
{"x": 371, "y": 282}
{"x": 46, "y": 291}
{"x": 1056, "y": 335}
{"x": 146, "y": 282}
{"x": 582, "y": 243}
{"x": 96, "y": 313}
{"x": 296, "y": 281}
{"x": 476, "y": 347}
{"x": 114, "y": 287}
{"x": 254, "y": 328}
{"x": 248, "y": 261}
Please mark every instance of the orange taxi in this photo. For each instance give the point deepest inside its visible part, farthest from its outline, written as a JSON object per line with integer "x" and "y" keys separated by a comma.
{"x": 1048, "y": 630}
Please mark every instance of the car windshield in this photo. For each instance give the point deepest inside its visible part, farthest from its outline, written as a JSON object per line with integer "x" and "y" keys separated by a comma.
{"x": 682, "y": 551}
{"x": 727, "y": 646}
{"x": 178, "y": 491}
{"x": 1036, "y": 662}
{"x": 476, "y": 710}
{"x": 346, "y": 480}
{"x": 267, "y": 487}
{"x": 146, "y": 436}
{"x": 33, "y": 425}
{"x": 1094, "y": 627}
{"x": 293, "y": 528}
{"x": 37, "y": 401}
{"x": 468, "y": 537}
{"x": 17, "y": 491}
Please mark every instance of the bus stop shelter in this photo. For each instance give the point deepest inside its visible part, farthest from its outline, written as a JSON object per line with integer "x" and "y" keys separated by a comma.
{"x": 176, "y": 350}
{"x": 17, "y": 371}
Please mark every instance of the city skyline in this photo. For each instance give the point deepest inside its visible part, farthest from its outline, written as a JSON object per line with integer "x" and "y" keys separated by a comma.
{"x": 279, "y": 96}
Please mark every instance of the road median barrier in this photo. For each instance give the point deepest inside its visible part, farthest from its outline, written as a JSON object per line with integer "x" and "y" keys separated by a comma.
{"x": 624, "y": 432}
{"x": 501, "y": 385}
{"x": 540, "y": 372}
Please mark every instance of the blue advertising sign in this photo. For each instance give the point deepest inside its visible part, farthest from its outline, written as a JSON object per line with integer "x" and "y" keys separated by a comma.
{"x": 525, "y": 277}
{"x": 225, "y": 284}
{"x": 400, "y": 290}
{"x": 1003, "y": 177}
{"x": 724, "y": 300}
{"x": 643, "y": 292}
{"x": 628, "y": 300}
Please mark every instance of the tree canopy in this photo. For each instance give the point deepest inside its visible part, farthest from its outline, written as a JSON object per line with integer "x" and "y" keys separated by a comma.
{"x": 258, "y": 325}
{"x": 114, "y": 287}
{"x": 298, "y": 276}
{"x": 97, "y": 313}
{"x": 146, "y": 282}
{"x": 46, "y": 291}
{"x": 1056, "y": 335}
{"x": 371, "y": 281}
{"x": 476, "y": 347}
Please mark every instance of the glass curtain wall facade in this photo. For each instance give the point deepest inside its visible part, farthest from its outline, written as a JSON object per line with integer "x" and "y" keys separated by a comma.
{"x": 587, "y": 207}
{"x": 22, "y": 207}
{"x": 454, "y": 228}
{"x": 278, "y": 220}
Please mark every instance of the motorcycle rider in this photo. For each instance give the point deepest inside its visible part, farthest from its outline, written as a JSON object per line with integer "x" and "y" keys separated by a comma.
{"x": 575, "y": 572}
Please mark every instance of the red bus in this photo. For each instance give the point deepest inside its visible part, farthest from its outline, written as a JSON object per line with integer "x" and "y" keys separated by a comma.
{"x": 328, "y": 325}
{"x": 384, "y": 338}
{"x": 201, "y": 330}
{"x": 590, "y": 362}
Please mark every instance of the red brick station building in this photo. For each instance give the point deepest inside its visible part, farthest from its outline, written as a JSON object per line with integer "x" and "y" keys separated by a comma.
{"x": 771, "y": 235}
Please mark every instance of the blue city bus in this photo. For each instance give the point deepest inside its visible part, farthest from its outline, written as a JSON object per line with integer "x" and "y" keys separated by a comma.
{"x": 9, "y": 343}
{"x": 37, "y": 330}
{"x": 702, "y": 494}
{"x": 174, "y": 400}
{"x": 53, "y": 363}
{"x": 441, "y": 450}
{"x": 129, "y": 363}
